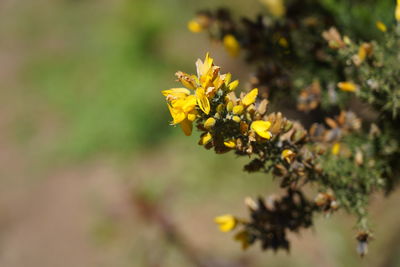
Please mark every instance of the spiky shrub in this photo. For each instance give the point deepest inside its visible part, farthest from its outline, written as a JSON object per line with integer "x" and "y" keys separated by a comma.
{"x": 347, "y": 145}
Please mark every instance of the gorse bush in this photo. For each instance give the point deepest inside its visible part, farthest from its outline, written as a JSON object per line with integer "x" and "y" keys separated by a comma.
{"x": 343, "y": 141}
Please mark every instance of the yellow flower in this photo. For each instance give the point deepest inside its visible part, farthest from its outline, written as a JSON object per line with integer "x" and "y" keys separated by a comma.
{"x": 205, "y": 138}
{"x": 288, "y": 155}
{"x": 275, "y": 7}
{"x": 226, "y": 222}
{"x": 194, "y": 26}
{"x": 347, "y": 86}
{"x": 232, "y": 45}
{"x": 335, "y": 149}
{"x": 397, "y": 11}
{"x": 261, "y": 128}
{"x": 229, "y": 106}
{"x": 175, "y": 93}
{"x": 203, "y": 68}
{"x": 283, "y": 42}
{"x": 202, "y": 100}
{"x": 236, "y": 119}
{"x": 230, "y": 143}
{"x": 209, "y": 123}
{"x": 381, "y": 26}
{"x": 238, "y": 109}
{"x": 250, "y": 98}
{"x": 233, "y": 85}
{"x": 243, "y": 238}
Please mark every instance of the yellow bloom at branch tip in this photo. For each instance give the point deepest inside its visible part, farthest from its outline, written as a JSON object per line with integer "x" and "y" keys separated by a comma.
{"x": 381, "y": 26}
{"x": 230, "y": 143}
{"x": 202, "y": 100}
{"x": 238, "y": 109}
{"x": 397, "y": 11}
{"x": 231, "y": 45}
{"x": 261, "y": 128}
{"x": 283, "y": 42}
{"x": 194, "y": 26}
{"x": 229, "y": 106}
{"x": 205, "y": 139}
{"x": 233, "y": 85}
{"x": 250, "y": 98}
{"x": 226, "y": 222}
{"x": 209, "y": 123}
{"x": 335, "y": 149}
{"x": 288, "y": 155}
{"x": 347, "y": 86}
{"x": 236, "y": 119}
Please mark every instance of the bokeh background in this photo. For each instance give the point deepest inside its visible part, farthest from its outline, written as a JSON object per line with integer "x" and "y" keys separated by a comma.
{"x": 92, "y": 174}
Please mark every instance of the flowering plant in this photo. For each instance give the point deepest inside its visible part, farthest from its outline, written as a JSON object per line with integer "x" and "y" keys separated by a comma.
{"x": 341, "y": 151}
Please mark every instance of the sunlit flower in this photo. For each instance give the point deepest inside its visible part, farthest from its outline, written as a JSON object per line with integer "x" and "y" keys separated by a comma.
{"x": 250, "y": 98}
{"x": 205, "y": 138}
{"x": 381, "y": 26}
{"x": 194, "y": 26}
{"x": 238, "y": 109}
{"x": 288, "y": 155}
{"x": 347, "y": 86}
{"x": 209, "y": 123}
{"x": 397, "y": 11}
{"x": 226, "y": 222}
{"x": 261, "y": 128}
{"x": 202, "y": 100}
{"x": 335, "y": 149}
{"x": 231, "y": 45}
{"x": 230, "y": 143}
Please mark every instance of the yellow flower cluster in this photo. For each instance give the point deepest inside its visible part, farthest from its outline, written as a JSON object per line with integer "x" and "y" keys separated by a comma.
{"x": 208, "y": 98}
{"x": 184, "y": 106}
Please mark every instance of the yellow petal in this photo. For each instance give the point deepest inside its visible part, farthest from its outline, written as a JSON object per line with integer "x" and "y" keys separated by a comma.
{"x": 238, "y": 109}
{"x": 175, "y": 93}
{"x": 347, "y": 86}
{"x": 189, "y": 103}
{"x": 194, "y": 26}
{"x": 202, "y": 100}
{"x": 236, "y": 119}
{"x": 233, "y": 85}
{"x": 362, "y": 53}
{"x": 397, "y": 11}
{"x": 226, "y": 222}
{"x": 205, "y": 139}
{"x": 203, "y": 68}
{"x": 288, "y": 155}
{"x": 186, "y": 126}
{"x": 209, "y": 123}
{"x": 229, "y": 106}
{"x": 177, "y": 114}
{"x": 336, "y": 149}
{"x": 232, "y": 45}
{"x": 191, "y": 116}
{"x": 283, "y": 42}
{"x": 261, "y": 128}
{"x": 230, "y": 143}
{"x": 381, "y": 26}
{"x": 250, "y": 98}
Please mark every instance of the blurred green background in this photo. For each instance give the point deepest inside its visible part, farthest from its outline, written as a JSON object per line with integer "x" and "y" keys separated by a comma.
{"x": 85, "y": 134}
